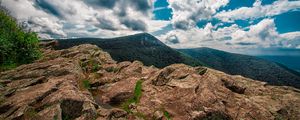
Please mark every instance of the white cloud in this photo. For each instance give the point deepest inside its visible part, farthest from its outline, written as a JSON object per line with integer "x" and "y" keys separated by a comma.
{"x": 291, "y": 39}
{"x": 187, "y": 12}
{"x": 89, "y": 18}
{"x": 45, "y": 26}
{"x": 263, "y": 35}
{"x": 233, "y": 38}
{"x": 23, "y": 9}
{"x": 258, "y": 11}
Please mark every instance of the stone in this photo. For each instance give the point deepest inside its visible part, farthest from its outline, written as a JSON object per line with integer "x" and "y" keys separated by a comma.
{"x": 52, "y": 88}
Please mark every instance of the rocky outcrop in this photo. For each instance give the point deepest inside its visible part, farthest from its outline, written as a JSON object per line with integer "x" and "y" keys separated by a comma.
{"x": 84, "y": 83}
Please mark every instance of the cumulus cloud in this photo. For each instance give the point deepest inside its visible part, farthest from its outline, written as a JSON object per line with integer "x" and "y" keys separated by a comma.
{"x": 186, "y": 13}
{"x": 263, "y": 35}
{"x": 45, "y": 26}
{"x": 292, "y": 39}
{"x": 233, "y": 38}
{"x": 112, "y": 18}
{"x": 65, "y": 18}
{"x": 258, "y": 10}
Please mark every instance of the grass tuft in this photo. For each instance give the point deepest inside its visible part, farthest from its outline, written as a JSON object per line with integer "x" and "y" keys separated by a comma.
{"x": 86, "y": 84}
{"x": 136, "y": 98}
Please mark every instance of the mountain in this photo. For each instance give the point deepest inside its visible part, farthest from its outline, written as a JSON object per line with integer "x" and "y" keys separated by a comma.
{"x": 143, "y": 47}
{"x": 292, "y": 62}
{"x": 248, "y": 66}
{"x": 85, "y": 83}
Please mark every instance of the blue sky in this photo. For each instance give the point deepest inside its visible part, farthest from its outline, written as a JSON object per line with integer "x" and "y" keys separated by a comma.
{"x": 284, "y": 23}
{"x": 241, "y": 26}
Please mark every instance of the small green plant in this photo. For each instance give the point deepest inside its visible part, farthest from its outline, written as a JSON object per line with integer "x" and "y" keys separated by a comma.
{"x": 95, "y": 67}
{"x": 65, "y": 117}
{"x": 202, "y": 71}
{"x": 55, "y": 117}
{"x": 31, "y": 113}
{"x": 125, "y": 105}
{"x": 136, "y": 98}
{"x": 112, "y": 69}
{"x": 138, "y": 91}
{"x": 167, "y": 115}
{"x": 86, "y": 84}
{"x": 140, "y": 115}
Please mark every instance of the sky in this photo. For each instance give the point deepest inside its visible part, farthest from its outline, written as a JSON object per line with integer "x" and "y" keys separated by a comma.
{"x": 254, "y": 27}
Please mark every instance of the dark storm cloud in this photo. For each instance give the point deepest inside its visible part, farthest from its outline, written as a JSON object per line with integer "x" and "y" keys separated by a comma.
{"x": 134, "y": 24}
{"x": 45, "y": 6}
{"x": 173, "y": 39}
{"x": 246, "y": 43}
{"x": 184, "y": 25}
{"x": 121, "y": 8}
{"x": 103, "y": 3}
{"x": 140, "y": 5}
{"x": 105, "y": 24}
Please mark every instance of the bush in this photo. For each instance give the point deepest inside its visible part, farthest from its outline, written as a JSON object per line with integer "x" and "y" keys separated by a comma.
{"x": 17, "y": 46}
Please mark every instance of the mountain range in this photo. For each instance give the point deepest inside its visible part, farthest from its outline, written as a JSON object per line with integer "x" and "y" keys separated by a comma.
{"x": 143, "y": 47}
{"x": 149, "y": 50}
{"x": 247, "y": 66}
{"x": 289, "y": 61}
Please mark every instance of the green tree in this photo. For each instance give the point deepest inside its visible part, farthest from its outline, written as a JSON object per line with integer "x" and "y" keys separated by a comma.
{"x": 17, "y": 45}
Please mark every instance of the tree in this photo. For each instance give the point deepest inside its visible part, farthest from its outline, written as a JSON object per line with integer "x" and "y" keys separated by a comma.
{"x": 17, "y": 45}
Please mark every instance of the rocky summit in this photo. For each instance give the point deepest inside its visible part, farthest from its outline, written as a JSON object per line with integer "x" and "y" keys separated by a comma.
{"x": 85, "y": 83}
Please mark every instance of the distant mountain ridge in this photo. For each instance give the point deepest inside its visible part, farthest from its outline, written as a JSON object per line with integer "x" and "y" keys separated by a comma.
{"x": 292, "y": 62}
{"x": 248, "y": 66}
{"x": 143, "y": 47}
{"x": 151, "y": 51}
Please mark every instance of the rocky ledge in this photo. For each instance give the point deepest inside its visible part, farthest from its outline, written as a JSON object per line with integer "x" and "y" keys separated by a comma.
{"x": 84, "y": 83}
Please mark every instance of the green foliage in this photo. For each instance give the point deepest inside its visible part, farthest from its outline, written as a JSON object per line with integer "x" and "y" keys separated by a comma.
{"x": 95, "y": 67}
{"x": 167, "y": 115}
{"x": 31, "y": 113}
{"x": 17, "y": 46}
{"x": 136, "y": 98}
{"x": 140, "y": 115}
{"x": 138, "y": 91}
{"x": 65, "y": 117}
{"x": 129, "y": 48}
{"x": 55, "y": 117}
{"x": 125, "y": 105}
{"x": 86, "y": 84}
{"x": 90, "y": 65}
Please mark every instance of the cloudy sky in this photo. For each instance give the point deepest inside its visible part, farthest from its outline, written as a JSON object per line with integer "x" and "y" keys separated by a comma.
{"x": 241, "y": 26}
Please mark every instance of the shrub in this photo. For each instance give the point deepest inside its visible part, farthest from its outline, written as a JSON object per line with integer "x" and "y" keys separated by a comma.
{"x": 17, "y": 46}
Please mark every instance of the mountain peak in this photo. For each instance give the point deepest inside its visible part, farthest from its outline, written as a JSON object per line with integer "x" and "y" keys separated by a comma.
{"x": 142, "y": 46}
